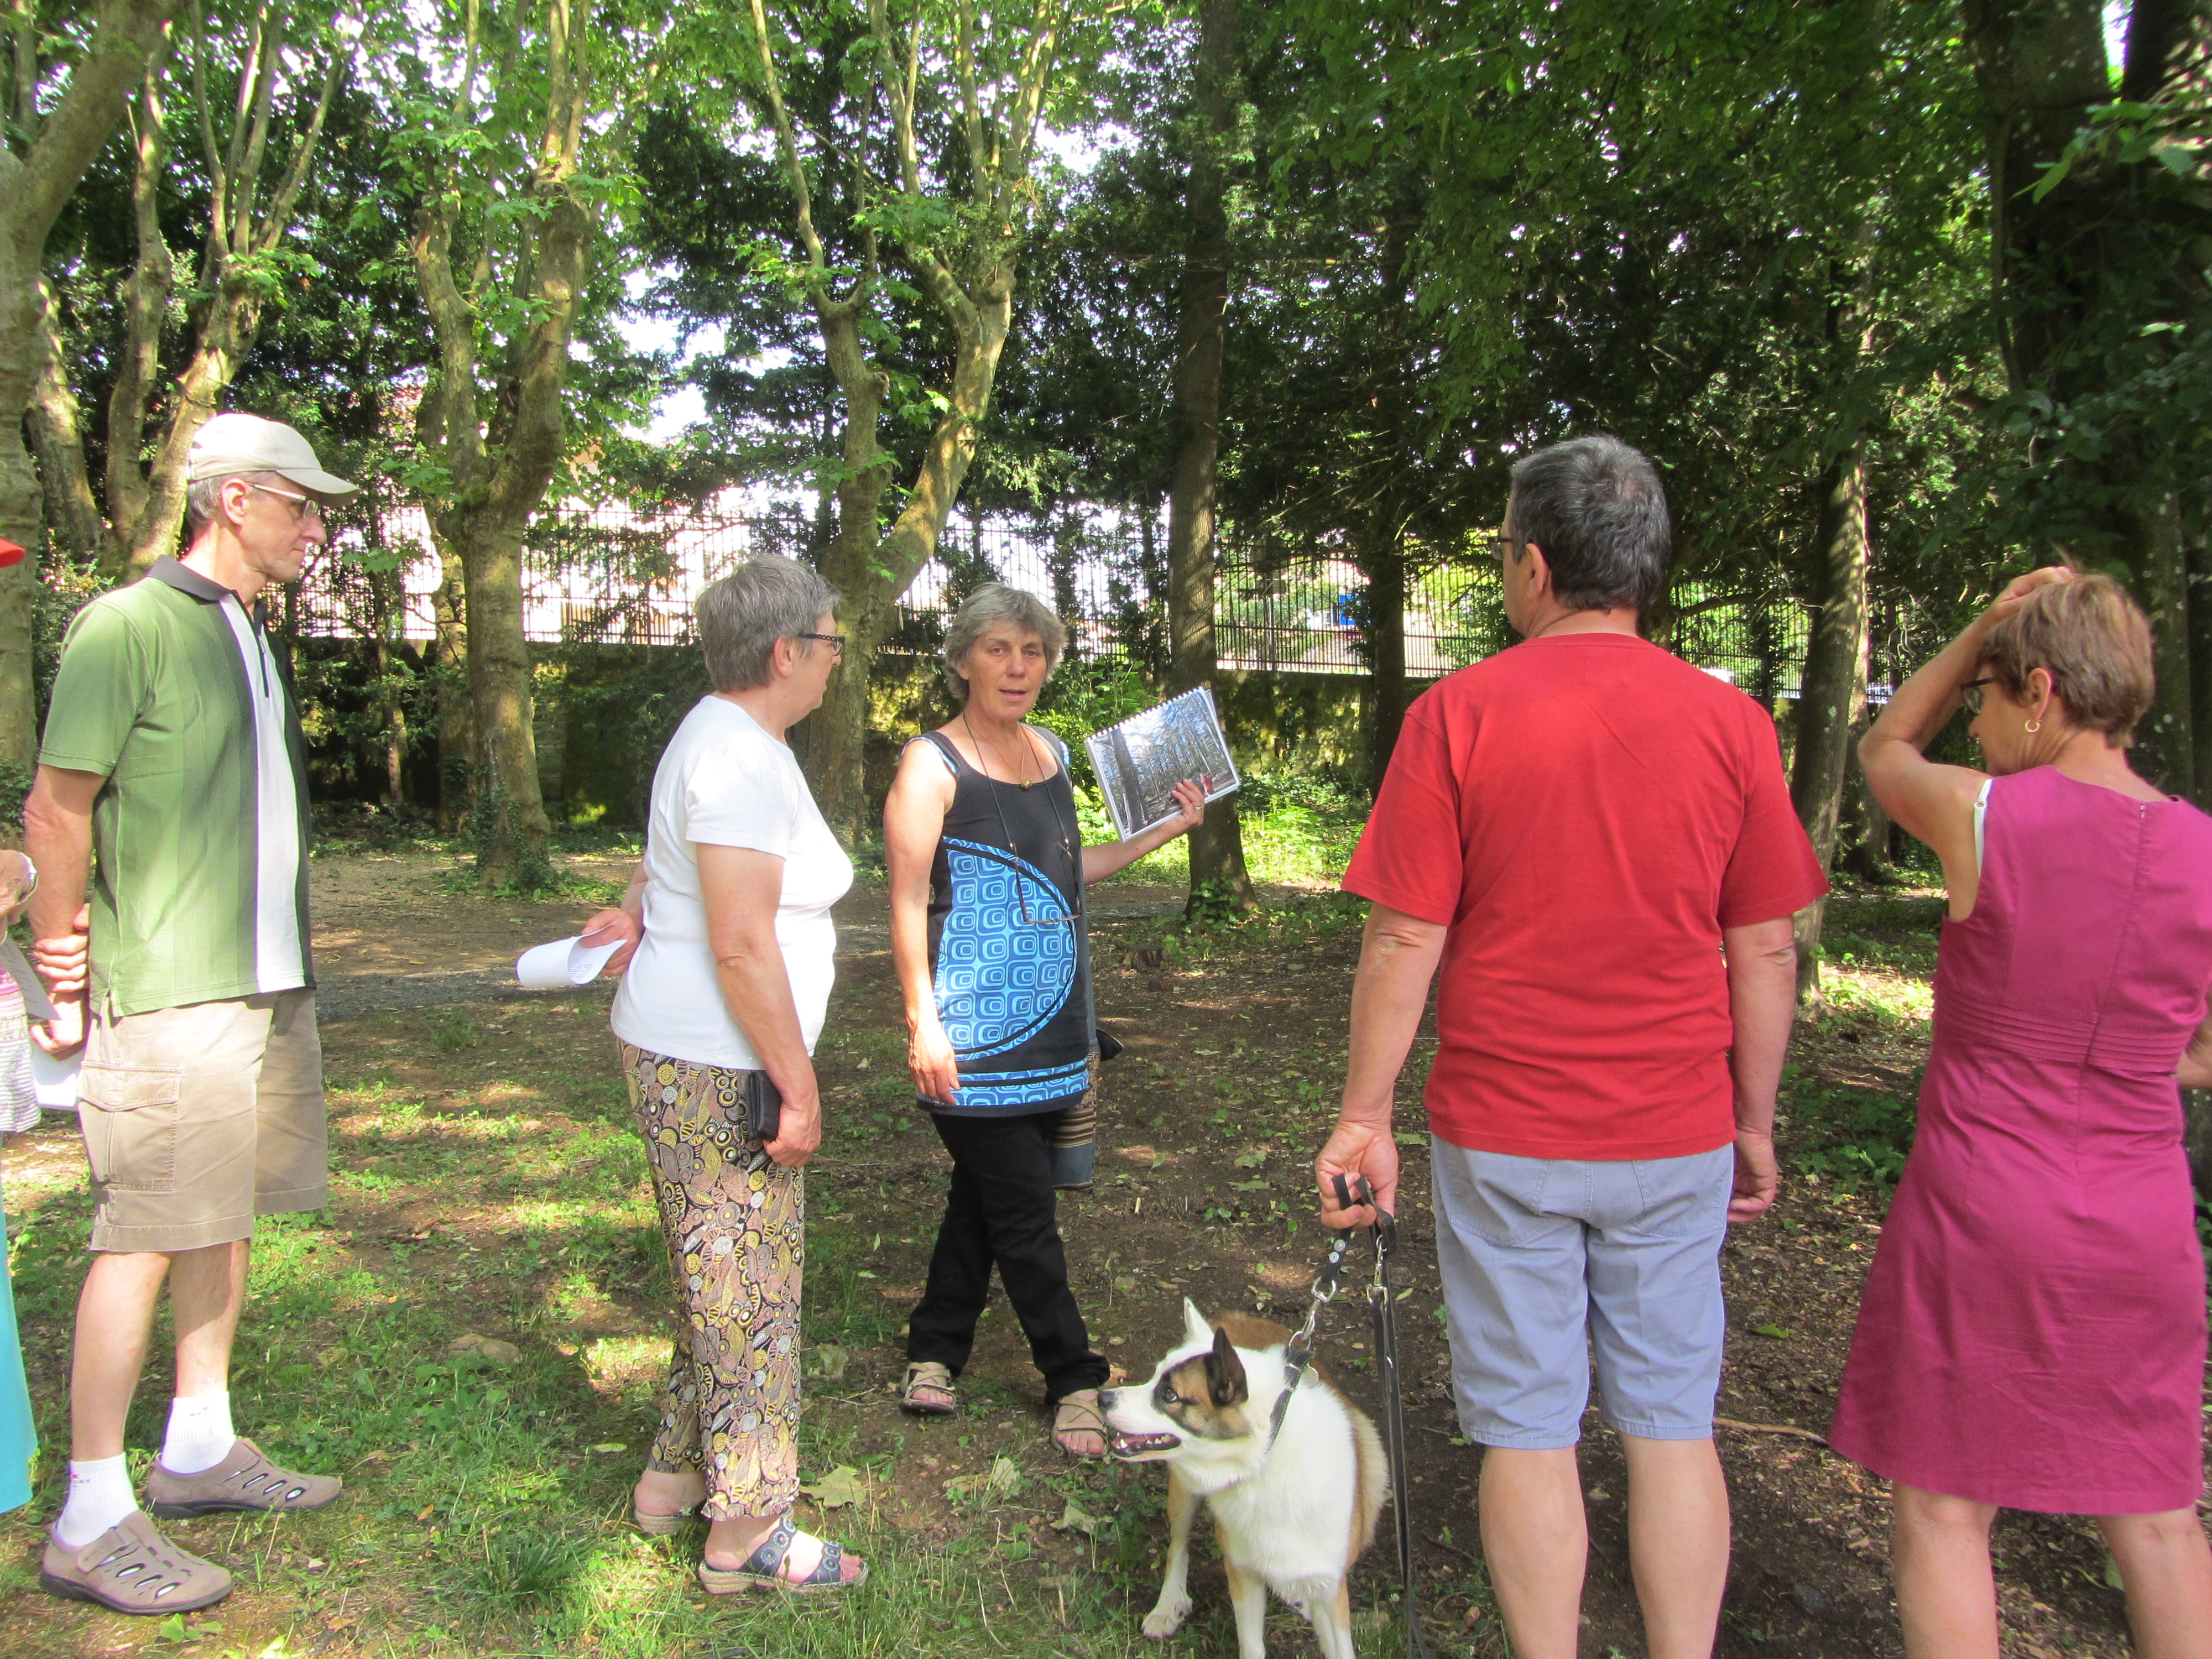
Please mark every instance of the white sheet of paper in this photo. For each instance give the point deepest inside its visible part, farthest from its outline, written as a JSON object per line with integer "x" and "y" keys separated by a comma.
{"x": 563, "y": 963}
{"x": 55, "y": 1080}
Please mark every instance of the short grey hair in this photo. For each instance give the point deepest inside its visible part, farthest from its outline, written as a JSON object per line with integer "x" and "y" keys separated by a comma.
{"x": 202, "y": 497}
{"x": 742, "y": 616}
{"x": 994, "y": 605}
{"x": 1598, "y": 510}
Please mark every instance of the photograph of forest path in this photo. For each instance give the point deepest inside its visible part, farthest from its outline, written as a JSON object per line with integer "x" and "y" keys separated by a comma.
{"x": 471, "y": 1332}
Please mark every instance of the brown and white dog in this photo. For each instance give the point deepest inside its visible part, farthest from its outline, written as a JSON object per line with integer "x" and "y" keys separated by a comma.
{"x": 1291, "y": 1516}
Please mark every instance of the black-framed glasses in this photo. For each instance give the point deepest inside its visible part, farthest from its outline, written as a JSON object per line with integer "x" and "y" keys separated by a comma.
{"x": 1501, "y": 543}
{"x": 1970, "y": 693}
{"x": 309, "y": 510}
{"x": 834, "y": 641}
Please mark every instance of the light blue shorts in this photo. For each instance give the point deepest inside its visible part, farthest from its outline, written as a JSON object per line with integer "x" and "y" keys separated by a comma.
{"x": 1544, "y": 1259}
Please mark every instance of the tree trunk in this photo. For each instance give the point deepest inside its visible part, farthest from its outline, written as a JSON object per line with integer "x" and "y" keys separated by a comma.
{"x": 72, "y": 514}
{"x": 492, "y": 489}
{"x": 510, "y": 822}
{"x": 457, "y": 725}
{"x": 2166, "y": 742}
{"x": 34, "y": 186}
{"x": 2200, "y": 659}
{"x": 1833, "y": 692}
{"x": 1218, "y": 876}
{"x": 1384, "y": 560}
{"x": 837, "y": 736}
{"x": 145, "y": 308}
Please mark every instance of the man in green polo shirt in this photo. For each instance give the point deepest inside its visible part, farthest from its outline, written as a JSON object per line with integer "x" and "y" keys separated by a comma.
{"x": 173, "y": 778}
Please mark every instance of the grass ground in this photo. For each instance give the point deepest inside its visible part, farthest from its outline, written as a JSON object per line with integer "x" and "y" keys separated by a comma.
{"x": 471, "y": 1332}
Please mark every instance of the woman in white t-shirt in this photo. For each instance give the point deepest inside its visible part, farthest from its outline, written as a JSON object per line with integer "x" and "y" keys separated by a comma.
{"x": 728, "y": 919}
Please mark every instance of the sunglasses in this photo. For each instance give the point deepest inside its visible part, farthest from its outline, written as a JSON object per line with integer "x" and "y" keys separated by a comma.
{"x": 1970, "y": 693}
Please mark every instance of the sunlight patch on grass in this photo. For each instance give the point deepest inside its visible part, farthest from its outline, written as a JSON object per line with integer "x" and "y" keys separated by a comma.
{"x": 1901, "y": 997}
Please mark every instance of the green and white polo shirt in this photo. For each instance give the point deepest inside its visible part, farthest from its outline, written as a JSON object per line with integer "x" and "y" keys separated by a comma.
{"x": 168, "y": 687}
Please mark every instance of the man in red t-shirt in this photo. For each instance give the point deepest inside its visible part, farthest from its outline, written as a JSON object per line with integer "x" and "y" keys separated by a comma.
{"x": 1595, "y": 841}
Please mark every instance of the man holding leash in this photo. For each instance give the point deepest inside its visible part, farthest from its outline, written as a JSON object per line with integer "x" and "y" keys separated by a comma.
{"x": 1595, "y": 841}
{"x": 173, "y": 777}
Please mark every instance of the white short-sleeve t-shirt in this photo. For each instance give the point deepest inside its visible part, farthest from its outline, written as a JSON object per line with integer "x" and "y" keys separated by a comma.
{"x": 724, "y": 781}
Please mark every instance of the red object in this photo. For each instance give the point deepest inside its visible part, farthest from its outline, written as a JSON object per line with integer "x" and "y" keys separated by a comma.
{"x": 9, "y": 554}
{"x": 1586, "y": 813}
{"x": 2032, "y": 1333}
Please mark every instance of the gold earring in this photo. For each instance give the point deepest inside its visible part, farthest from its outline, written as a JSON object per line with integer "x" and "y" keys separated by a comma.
{"x": 2035, "y": 726}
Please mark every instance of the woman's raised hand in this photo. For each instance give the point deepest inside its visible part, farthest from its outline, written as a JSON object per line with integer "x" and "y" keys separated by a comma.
{"x": 929, "y": 1058}
{"x": 2018, "y": 589}
{"x": 1190, "y": 796}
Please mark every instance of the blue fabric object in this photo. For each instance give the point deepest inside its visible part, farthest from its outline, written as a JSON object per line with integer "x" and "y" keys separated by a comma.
{"x": 19, "y": 1439}
{"x": 1009, "y": 943}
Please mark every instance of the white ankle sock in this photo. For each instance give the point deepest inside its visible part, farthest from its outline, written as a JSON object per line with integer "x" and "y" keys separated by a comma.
{"x": 200, "y": 1436}
{"x": 99, "y": 1496}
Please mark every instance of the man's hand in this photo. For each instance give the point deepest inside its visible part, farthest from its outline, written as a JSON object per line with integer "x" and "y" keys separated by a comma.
{"x": 1757, "y": 1180}
{"x": 64, "y": 960}
{"x": 64, "y": 1033}
{"x": 611, "y": 924}
{"x": 799, "y": 1132}
{"x": 1353, "y": 1151}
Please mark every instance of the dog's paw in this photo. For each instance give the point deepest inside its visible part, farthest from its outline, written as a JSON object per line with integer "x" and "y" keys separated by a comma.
{"x": 1165, "y": 1619}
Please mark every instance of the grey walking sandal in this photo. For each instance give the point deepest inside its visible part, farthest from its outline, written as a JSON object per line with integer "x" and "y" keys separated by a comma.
{"x": 131, "y": 1568}
{"x": 243, "y": 1481}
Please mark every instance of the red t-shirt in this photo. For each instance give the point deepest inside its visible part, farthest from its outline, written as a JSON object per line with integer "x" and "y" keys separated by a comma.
{"x": 1586, "y": 813}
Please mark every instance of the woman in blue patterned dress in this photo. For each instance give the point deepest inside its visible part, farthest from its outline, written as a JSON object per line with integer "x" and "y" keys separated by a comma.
{"x": 988, "y": 868}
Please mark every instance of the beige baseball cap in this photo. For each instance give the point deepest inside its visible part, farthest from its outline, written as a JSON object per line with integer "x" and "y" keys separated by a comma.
{"x": 236, "y": 443}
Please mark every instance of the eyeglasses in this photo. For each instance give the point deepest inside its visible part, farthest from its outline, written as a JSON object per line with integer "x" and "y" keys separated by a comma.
{"x": 310, "y": 511}
{"x": 1970, "y": 693}
{"x": 834, "y": 641}
{"x": 1502, "y": 544}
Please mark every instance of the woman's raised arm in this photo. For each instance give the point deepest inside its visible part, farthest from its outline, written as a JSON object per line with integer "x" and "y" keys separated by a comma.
{"x": 1934, "y": 802}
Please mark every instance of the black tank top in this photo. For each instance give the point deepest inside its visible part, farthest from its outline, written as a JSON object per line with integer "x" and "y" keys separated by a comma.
{"x": 1008, "y": 946}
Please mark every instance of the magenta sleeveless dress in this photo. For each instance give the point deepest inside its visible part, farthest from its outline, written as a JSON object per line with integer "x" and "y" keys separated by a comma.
{"x": 2033, "y": 1331}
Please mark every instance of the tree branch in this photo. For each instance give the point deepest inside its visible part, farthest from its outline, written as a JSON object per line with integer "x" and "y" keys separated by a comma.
{"x": 787, "y": 140}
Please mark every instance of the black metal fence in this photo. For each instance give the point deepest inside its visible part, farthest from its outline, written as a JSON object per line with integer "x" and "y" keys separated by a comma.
{"x": 627, "y": 577}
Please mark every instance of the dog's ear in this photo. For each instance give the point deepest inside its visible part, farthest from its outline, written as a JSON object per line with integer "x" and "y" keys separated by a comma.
{"x": 1225, "y": 1373}
{"x": 1196, "y": 1332}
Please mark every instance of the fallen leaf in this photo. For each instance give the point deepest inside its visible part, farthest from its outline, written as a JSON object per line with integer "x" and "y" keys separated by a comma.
{"x": 835, "y": 1490}
{"x": 1006, "y": 1478}
{"x": 1252, "y": 1160}
{"x": 1072, "y": 1519}
{"x": 610, "y": 1446}
{"x": 1779, "y": 1333}
{"x": 827, "y": 1361}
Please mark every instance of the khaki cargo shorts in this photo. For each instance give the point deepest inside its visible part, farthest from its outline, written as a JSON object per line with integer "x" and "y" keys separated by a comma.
{"x": 196, "y": 1120}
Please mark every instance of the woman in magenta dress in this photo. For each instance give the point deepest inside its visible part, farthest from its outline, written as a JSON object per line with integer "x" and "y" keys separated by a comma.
{"x": 2033, "y": 1332}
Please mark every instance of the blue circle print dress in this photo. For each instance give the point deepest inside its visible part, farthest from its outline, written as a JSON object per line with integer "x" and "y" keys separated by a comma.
{"x": 1009, "y": 949}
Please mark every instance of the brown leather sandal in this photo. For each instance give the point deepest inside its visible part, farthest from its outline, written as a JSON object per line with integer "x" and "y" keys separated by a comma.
{"x": 1080, "y": 1413}
{"x": 928, "y": 1390}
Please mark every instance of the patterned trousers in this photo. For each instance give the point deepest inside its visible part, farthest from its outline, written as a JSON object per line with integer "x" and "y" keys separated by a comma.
{"x": 736, "y": 1229}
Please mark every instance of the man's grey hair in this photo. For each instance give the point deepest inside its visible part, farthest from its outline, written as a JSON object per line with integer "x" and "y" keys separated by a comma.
{"x": 204, "y": 496}
{"x": 742, "y": 616}
{"x": 1598, "y": 510}
{"x": 994, "y": 605}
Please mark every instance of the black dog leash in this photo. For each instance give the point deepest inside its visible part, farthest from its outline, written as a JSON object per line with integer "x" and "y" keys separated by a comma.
{"x": 1393, "y": 1404}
